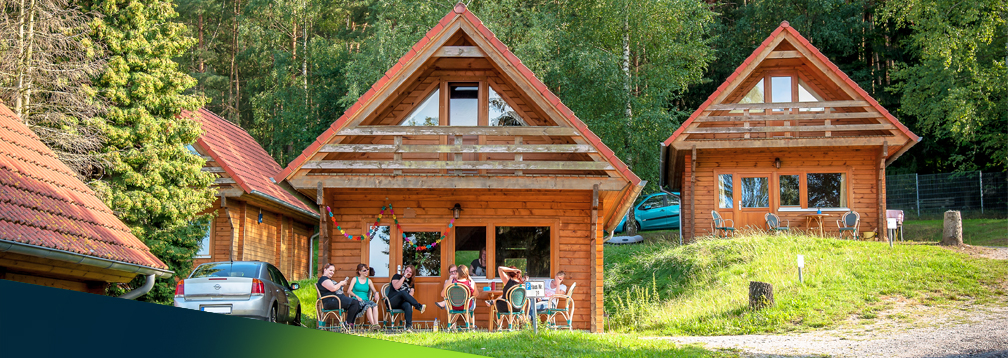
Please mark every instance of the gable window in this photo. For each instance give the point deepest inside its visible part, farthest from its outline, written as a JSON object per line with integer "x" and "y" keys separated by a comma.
{"x": 463, "y": 104}
{"x": 806, "y": 94}
{"x": 781, "y": 89}
{"x": 501, "y": 114}
{"x": 427, "y": 113}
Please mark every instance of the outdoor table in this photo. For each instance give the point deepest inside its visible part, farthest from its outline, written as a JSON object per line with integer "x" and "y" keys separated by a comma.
{"x": 817, "y": 218}
{"x": 489, "y": 295}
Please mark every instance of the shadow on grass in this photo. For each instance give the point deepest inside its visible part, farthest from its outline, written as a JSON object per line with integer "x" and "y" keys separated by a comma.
{"x": 552, "y": 344}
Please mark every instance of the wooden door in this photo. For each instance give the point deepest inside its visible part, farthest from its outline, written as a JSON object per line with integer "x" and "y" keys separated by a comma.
{"x": 752, "y": 199}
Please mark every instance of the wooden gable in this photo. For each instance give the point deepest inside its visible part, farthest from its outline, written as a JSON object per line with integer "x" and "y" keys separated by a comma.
{"x": 842, "y": 114}
{"x": 369, "y": 148}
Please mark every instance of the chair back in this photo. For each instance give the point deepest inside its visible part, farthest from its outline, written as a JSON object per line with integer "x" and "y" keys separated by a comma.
{"x": 772, "y": 220}
{"x": 718, "y": 221}
{"x": 516, "y": 297}
{"x": 850, "y": 219}
{"x": 895, "y": 214}
{"x": 457, "y": 295}
{"x": 385, "y": 290}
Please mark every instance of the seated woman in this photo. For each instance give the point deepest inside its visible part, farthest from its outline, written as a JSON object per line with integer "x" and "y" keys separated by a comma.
{"x": 512, "y": 277}
{"x": 362, "y": 285}
{"x": 328, "y": 287}
{"x": 462, "y": 278}
{"x": 452, "y": 274}
{"x": 401, "y": 295}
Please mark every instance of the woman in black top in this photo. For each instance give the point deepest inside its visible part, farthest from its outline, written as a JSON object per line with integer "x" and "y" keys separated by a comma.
{"x": 327, "y": 287}
{"x": 512, "y": 277}
{"x": 401, "y": 295}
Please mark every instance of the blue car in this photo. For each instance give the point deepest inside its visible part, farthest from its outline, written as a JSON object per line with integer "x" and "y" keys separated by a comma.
{"x": 659, "y": 211}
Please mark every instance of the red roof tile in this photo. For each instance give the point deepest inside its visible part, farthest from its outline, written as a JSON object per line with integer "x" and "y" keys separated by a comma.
{"x": 461, "y": 12}
{"x": 242, "y": 157}
{"x": 43, "y": 203}
{"x": 749, "y": 61}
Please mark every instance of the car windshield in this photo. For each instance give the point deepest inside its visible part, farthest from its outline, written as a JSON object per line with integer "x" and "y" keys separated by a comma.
{"x": 226, "y": 269}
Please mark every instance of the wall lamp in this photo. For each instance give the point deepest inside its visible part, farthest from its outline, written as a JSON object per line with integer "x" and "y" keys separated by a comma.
{"x": 776, "y": 163}
{"x": 456, "y": 210}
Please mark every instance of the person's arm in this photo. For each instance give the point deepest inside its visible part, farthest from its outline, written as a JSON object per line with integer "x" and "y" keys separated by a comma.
{"x": 503, "y": 270}
{"x": 350, "y": 293}
{"x": 329, "y": 285}
{"x": 398, "y": 283}
{"x": 377, "y": 295}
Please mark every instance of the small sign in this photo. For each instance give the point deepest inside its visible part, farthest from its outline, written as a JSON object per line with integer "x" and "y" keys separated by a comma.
{"x": 801, "y": 261}
{"x": 535, "y": 289}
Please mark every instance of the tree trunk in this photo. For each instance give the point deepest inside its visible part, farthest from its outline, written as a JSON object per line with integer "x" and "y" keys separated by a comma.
{"x": 760, "y": 295}
{"x": 952, "y": 229}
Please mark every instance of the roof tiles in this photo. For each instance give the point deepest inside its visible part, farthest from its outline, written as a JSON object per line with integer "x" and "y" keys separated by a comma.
{"x": 43, "y": 203}
{"x": 242, "y": 157}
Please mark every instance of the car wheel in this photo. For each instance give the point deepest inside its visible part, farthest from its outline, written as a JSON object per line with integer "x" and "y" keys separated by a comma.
{"x": 297, "y": 318}
{"x": 273, "y": 314}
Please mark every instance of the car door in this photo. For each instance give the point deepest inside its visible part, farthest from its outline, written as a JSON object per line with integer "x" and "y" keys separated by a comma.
{"x": 667, "y": 217}
{"x": 284, "y": 295}
{"x": 648, "y": 213}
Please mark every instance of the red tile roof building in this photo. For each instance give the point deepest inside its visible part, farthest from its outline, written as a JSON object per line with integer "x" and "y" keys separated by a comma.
{"x": 54, "y": 230}
{"x": 246, "y": 189}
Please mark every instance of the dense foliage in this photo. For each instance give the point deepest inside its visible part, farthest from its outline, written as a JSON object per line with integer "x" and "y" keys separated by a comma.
{"x": 153, "y": 183}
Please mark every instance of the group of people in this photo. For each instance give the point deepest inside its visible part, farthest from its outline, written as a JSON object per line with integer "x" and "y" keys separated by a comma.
{"x": 359, "y": 297}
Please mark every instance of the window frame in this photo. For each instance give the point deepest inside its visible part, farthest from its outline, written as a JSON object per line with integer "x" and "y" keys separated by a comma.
{"x": 366, "y": 248}
{"x": 209, "y": 237}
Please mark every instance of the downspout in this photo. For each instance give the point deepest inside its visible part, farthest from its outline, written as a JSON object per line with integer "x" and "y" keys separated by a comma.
{"x": 140, "y": 291}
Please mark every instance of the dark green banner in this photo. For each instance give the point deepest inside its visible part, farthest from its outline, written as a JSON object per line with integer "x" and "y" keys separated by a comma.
{"x": 38, "y": 321}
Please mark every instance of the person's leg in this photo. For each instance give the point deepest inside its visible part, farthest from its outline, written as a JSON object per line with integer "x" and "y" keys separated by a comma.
{"x": 352, "y": 311}
{"x": 372, "y": 314}
{"x": 408, "y": 312}
{"x": 412, "y": 301}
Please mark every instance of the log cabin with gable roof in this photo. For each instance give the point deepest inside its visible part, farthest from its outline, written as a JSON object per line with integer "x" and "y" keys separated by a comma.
{"x": 460, "y": 127}
{"x": 787, "y": 133}
{"x": 255, "y": 218}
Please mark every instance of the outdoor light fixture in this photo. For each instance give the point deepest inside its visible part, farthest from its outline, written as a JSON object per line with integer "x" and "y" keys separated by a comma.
{"x": 776, "y": 162}
{"x": 456, "y": 210}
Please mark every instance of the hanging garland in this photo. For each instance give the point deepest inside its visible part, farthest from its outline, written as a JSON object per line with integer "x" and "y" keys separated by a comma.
{"x": 395, "y": 219}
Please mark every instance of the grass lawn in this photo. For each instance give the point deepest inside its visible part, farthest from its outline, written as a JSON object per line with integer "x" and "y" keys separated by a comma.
{"x": 977, "y": 232}
{"x": 307, "y": 295}
{"x": 549, "y": 344}
{"x": 660, "y": 287}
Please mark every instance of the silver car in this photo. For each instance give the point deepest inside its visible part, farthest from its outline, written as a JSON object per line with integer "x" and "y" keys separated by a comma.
{"x": 250, "y": 289}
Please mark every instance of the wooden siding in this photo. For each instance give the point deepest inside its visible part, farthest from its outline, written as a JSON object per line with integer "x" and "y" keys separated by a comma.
{"x": 567, "y": 212}
{"x": 859, "y": 164}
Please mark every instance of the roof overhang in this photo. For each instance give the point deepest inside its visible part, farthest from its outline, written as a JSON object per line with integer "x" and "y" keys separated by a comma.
{"x": 79, "y": 259}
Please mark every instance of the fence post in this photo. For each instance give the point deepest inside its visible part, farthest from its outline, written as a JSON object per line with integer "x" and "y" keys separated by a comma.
{"x": 917, "y": 191}
{"x": 981, "y": 191}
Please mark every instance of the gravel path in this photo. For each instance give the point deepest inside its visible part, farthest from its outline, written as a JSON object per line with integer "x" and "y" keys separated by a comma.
{"x": 905, "y": 331}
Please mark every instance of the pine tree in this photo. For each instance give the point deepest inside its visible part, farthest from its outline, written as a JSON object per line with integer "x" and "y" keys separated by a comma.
{"x": 155, "y": 184}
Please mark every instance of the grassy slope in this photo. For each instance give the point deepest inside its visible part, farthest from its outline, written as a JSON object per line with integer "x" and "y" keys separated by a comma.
{"x": 549, "y": 344}
{"x": 979, "y": 232}
{"x": 702, "y": 288}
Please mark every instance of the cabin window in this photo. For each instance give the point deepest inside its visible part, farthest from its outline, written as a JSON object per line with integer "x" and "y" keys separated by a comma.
{"x": 725, "y": 200}
{"x": 470, "y": 242}
{"x": 806, "y": 94}
{"x": 789, "y": 190}
{"x": 501, "y": 113}
{"x": 204, "y": 248}
{"x": 826, "y": 190}
{"x": 463, "y": 104}
{"x": 427, "y": 262}
{"x": 755, "y": 95}
{"x": 781, "y": 87}
{"x": 755, "y": 192}
{"x": 378, "y": 250}
{"x": 427, "y": 113}
{"x": 526, "y": 248}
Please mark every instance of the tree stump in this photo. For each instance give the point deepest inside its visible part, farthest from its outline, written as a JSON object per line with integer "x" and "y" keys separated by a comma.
{"x": 760, "y": 295}
{"x": 952, "y": 228}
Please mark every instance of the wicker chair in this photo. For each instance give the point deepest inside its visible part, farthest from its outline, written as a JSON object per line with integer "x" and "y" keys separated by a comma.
{"x": 338, "y": 315}
{"x": 391, "y": 314}
{"x": 849, "y": 222}
{"x": 722, "y": 224}
{"x": 564, "y": 307}
{"x": 517, "y": 303}
{"x": 773, "y": 222}
{"x": 458, "y": 295}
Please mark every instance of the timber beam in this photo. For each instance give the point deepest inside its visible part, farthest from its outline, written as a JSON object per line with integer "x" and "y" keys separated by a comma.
{"x": 784, "y": 105}
{"x": 309, "y": 182}
{"x": 465, "y": 165}
{"x": 453, "y": 131}
{"x": 781, "y": 143}
{"x": 485, "y": 148}
{"x": 769, "y": 129}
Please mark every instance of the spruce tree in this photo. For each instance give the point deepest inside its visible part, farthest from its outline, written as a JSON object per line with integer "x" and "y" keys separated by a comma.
{"x": 154, "y": 183}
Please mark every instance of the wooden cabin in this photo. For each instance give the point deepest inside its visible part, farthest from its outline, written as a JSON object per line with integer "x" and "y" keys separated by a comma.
{"x": 255, "y": 218}
{"x": 787, "y": 133}
{"x": 54, "y": 231}
{"x": 464, "y": 142}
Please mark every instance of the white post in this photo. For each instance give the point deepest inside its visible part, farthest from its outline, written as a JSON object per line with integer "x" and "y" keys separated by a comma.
{"x": 801, "y": 265}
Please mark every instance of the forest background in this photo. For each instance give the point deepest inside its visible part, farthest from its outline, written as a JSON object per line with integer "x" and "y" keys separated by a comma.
{"x": 102, "y": 81}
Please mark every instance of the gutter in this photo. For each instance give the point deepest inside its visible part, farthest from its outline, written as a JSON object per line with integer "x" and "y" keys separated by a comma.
{"x": 284, "y": 203}
{"x": 140, "y": 291}
{"x": 81, "y": 259}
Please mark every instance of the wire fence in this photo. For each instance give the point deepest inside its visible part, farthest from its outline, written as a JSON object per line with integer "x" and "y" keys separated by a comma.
{"x": 928, "y": 196}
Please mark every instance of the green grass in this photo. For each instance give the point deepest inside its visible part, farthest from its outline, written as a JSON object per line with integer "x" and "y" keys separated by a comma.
{"x": 307, "y": 295}
{"x": 549, "y": 344}
{"x": 977, "y": 232}
{"x": 702, "y": 289}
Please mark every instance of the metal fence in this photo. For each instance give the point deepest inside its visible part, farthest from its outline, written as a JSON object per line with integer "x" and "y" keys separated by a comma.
{"x": 975, "y": 194}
